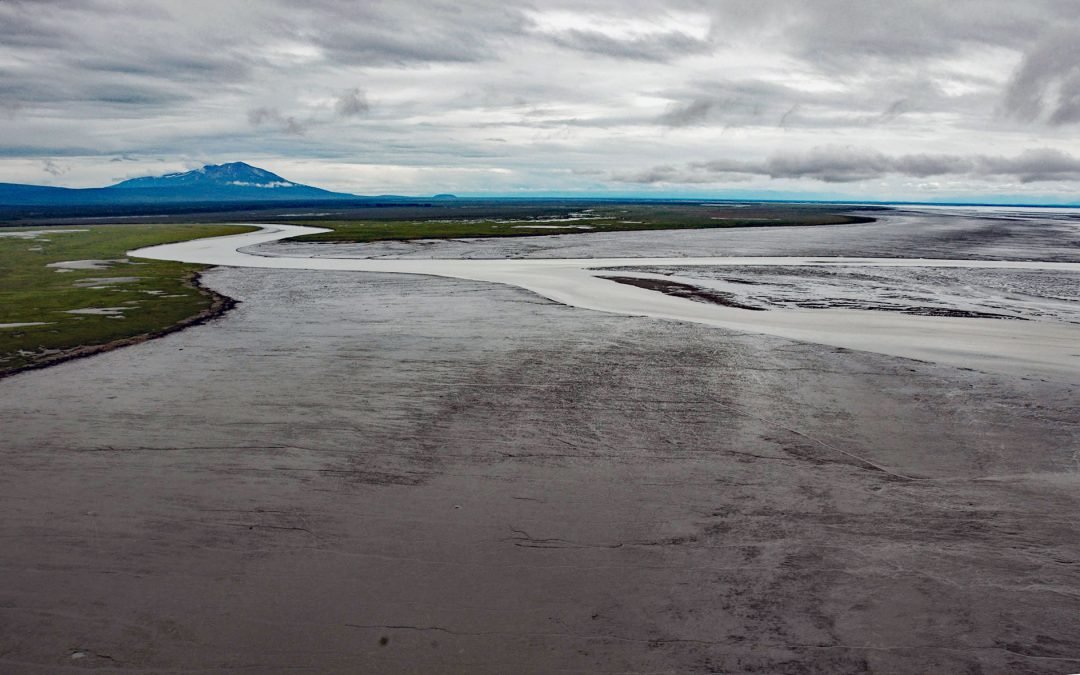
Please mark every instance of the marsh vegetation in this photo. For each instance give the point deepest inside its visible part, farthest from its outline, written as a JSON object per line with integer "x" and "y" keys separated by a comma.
{"x": 510, "y": 220}
{"x": 64, "y": 289}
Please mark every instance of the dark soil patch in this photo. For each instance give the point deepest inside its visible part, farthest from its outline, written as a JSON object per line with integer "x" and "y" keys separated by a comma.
{"x": 681, "y": 290}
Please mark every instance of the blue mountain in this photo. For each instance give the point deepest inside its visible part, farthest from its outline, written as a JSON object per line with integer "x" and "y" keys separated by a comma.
{"x": 232, "y": 182}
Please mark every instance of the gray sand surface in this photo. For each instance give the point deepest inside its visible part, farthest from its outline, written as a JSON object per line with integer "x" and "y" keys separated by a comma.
{"x": 976, "y": 234}
{"x": 356, "y": 472}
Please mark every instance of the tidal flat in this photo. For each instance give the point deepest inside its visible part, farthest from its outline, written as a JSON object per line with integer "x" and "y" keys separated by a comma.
{"x": 399, "y": 472}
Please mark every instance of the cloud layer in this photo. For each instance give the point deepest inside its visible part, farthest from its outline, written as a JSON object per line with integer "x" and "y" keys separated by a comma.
{"x": 882, "y": 99}
{"x": 839, "y": 164}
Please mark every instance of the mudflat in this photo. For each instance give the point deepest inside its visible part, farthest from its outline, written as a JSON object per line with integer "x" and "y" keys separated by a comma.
{"x": 360, "y": 472}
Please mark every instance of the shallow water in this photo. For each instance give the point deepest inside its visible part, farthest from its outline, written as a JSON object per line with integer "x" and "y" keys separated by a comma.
{"x": 84, "y": 264}
{"x": 24, "y": 324}
{"x": 35, "y": 234}
{"x": 1043, "y": 347}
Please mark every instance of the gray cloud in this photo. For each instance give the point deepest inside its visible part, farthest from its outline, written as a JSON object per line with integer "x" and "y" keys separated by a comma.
{"x": 272, "y": 117}
{"x": 405, "y": 33}
{"x": 293, "y": 127}
{"x": 352, "y": 103}
{"x": 666, "y": 173}
{"x": 846, "y": 34}
{"x": 9, "y": 109}
{"x": 176, "y": 66}
{"x": 895, "y": 109}
{"x": 789, "y": 115}
{"x": 260, "y": 116}
{"x": 696, "y": 111}
{"x": 1046, "y": 86}
{"x": 602, "y": 30}
{"x": 1032, "y": 166}
{"x": 742, "y": 103}
{"x": 673, "y": 175}
{"x": 831, "y": 165}
{"x": 548, "y": 88}
{"x": 662, "y": 47}
{"x": 837, "y": 164}
{"x": 50, "y": 167}
{"x": 732, "y": 103}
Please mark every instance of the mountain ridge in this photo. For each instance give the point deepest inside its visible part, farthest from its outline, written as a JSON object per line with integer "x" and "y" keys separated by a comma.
{"x": 232, "y": 173}
{"x": 229, "y": 182}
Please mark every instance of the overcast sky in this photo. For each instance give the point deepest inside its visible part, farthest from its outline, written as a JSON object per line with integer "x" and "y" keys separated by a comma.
{"x": 898, "y": 99}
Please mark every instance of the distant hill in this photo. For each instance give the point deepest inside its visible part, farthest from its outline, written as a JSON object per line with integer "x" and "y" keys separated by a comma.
{"x": 232, "y": 182}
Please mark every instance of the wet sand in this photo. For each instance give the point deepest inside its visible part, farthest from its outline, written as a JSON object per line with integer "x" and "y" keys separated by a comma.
{"x": 359, "y": 472}
{"x": 1046, "y": 349}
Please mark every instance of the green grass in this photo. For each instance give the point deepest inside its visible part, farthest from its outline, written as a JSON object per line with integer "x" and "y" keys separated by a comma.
{"x": 160, "y": 295}
{"x": 620, "y": 218}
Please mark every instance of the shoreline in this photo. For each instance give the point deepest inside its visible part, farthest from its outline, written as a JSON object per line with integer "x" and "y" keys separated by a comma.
{"x": 219, "y": 305}
{"x": 318, "y": 238}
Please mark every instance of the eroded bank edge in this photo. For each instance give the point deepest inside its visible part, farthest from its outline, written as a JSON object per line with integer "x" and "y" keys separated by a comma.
{"x": 219, "y": 305}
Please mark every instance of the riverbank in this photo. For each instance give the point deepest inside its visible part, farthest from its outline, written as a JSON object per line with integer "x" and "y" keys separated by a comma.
{"x": 72, "y": 291}
{"x": 219, "y": 304}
